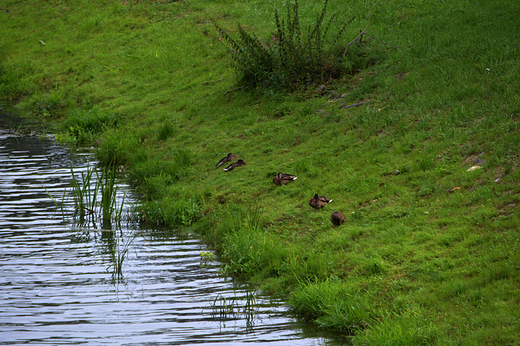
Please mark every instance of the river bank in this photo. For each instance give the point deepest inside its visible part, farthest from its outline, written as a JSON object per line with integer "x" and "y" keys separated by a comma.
{"x": 425, "y": 170}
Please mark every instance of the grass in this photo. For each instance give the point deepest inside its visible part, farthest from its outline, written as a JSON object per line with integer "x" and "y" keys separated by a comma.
{"x": 428, "y": 254}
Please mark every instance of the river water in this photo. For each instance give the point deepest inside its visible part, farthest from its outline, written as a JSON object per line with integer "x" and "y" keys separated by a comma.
{"x": 59, "y": 285}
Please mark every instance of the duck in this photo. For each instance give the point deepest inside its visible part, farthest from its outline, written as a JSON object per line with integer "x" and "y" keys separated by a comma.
{"x": 283, "y": 179}
{"x": 337, "y": 218}
{"x": 228, "y": 158}
{"x": 318, "y": 202}
{"x": 234, "y": 165}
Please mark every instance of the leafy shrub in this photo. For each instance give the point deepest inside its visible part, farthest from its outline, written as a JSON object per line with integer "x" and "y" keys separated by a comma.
{"x": 294, "y": 55}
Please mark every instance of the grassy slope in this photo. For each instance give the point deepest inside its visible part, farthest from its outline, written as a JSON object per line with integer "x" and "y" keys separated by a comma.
{"x": 414, "y": 263}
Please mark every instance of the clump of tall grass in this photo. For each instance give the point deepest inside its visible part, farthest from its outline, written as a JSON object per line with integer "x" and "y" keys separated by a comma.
{"x": 100, "y": 200}
{"x": 166, "y": 130}
{"x": 397, "y": 330}
{"x": 180, "y": 211}
{"x": 246, "y": 245}
{"x": 82, "y": 125}
{"x": 294, "y": 55}
{"x": 331, "y": 305}
{"x": 116, "y": 147}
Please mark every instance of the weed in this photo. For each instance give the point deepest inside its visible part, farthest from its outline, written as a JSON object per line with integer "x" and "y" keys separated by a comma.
{"x": 106, "y": 185}
{"x": 180, "y": 211}
{"x": 331, "y": 304}
{"x": 293, "y": 55}
{"x": 206, "y": 257}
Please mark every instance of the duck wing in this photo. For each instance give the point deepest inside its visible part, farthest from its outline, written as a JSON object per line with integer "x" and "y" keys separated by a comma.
{"x": 288, "y": 177}
{"x": 230, "y": 167}
{"x": 229, "y": 157}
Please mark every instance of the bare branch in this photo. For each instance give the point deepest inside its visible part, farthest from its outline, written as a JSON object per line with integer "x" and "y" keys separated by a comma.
{"x": 388, "y": 44}
{"x": 243, "y": 86}
{"x": 353, "y": 105}
{"x": 360, "y": 34}
{"x": 215, "y": 81}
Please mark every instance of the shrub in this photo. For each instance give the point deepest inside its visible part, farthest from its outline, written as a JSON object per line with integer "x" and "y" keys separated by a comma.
{"x": 294, "y": 55}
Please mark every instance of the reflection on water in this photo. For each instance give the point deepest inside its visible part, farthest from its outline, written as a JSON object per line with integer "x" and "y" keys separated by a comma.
{"x": 57, "y": 282}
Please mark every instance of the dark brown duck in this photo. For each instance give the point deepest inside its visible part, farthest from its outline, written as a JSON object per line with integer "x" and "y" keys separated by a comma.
{"x": 337, "y": 218}
{"x": 318, "y": 202}
{"x": 283, "y": 179}
{"x": 234, "y": 165}
{"x": 230, "y": 157}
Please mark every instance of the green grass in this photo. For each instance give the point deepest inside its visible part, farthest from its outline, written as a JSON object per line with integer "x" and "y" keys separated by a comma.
{"x": 428, "y": 254}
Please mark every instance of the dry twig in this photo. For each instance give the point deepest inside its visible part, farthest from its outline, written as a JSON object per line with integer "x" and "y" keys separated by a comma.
{"x": 388, "y": 44}
{"x": 353, "y": 105}
{"x": 360, "y": 34}
{"x": 215, "y": 81}
{"x": 230, "y": 91}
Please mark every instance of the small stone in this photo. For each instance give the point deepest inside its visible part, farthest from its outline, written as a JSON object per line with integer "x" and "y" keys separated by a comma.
{"x": 472, "y": 168}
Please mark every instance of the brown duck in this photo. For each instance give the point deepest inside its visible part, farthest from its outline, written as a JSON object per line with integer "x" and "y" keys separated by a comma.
{"x": 337, "y": 218}
{"x": 283, "y": 179}
{"x": 228, "y": 158}
{"x": 318, "y": 202}
{"x": 234, "y": 165}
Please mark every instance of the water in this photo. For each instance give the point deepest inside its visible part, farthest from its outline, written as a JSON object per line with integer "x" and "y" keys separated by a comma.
{"x": 58, "y": 285}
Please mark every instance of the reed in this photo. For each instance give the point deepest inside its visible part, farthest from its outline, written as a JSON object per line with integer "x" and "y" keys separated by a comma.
{"x": 223, "y": 307}
{"x": 96, "y": 195}
{"x": 84, "y": 197}
{"x": 59, "y": 204}
{"x": 119, "y": 249}
{"x": 226, "y": 307}
{"x": 106, "y": 185}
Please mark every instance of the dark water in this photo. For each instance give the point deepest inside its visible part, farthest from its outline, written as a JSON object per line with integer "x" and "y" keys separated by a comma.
{"x": 58, "y": 283}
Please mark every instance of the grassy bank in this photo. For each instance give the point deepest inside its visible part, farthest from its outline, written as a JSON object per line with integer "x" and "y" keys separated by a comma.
{"x": 429, "y": 252}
